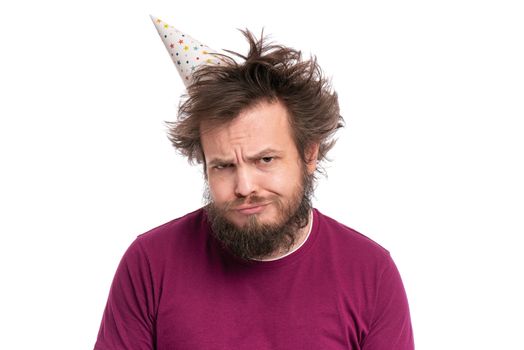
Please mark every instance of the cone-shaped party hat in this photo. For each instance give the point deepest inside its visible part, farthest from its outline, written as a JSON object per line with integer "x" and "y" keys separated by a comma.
{"x": 187, "y": 53}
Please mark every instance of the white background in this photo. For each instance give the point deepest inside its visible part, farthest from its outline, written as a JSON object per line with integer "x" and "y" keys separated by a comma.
{"x": 430, "y": 164}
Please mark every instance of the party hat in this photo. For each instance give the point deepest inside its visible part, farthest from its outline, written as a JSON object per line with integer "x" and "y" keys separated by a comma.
{"x": 187, "y": 53}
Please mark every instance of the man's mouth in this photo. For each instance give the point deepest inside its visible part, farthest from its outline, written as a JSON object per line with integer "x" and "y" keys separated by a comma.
{"x": 249, "y": 209}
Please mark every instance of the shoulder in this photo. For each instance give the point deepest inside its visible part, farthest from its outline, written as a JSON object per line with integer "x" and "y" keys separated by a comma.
{"x": 177, "y": 232}
{"x": 346, "y": 243}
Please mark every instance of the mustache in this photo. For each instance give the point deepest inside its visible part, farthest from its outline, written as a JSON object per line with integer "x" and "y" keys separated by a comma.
{"x": 253, "y": 199}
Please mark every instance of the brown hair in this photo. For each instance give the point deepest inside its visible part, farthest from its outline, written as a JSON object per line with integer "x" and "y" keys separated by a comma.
{"x": 219, "y": 93}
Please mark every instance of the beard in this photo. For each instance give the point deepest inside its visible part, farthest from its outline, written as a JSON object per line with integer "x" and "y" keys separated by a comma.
{"x": 255, "y": 239}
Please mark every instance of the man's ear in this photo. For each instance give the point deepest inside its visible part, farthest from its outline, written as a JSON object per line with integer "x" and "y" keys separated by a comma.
{"x": 311, "y": 155}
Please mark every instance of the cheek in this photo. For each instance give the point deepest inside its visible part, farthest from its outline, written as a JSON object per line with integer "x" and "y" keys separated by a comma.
{"x": 220, "y": 189}
{"x": 283, "y": 182}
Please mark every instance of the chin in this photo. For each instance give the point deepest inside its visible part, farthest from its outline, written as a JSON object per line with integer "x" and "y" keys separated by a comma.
{"x": 241, "y": 220}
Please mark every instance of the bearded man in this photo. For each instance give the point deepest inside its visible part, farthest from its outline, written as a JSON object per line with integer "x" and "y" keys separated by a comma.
{"x": 257, "y": 267}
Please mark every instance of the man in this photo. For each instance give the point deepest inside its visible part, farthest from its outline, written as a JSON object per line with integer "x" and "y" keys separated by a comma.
{"x": 257, "y": 267}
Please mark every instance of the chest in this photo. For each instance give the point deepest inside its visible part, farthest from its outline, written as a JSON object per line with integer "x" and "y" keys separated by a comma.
{"x": 270, "y": 310}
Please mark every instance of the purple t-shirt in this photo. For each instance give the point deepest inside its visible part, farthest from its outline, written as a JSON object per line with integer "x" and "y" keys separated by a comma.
{"x": 177, "y": 288}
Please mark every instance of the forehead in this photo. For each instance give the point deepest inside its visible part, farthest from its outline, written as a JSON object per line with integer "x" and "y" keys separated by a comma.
{"x": 265, "y": 125}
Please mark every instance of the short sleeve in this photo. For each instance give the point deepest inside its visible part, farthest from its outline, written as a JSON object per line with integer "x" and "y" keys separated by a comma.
{"x": 128, "y": 321}
{"x": 391, "y": 323}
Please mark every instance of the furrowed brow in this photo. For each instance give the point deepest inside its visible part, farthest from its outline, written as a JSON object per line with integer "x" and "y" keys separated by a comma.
{"x": 219, "y": 161}
{"x": 264, "y": 153}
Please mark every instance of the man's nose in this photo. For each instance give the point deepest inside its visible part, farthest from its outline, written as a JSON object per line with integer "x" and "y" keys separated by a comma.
{"x": 245, "y": 182}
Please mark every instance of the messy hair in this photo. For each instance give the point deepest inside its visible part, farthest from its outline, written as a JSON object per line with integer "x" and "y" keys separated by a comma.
{"x": 269, "y": 72}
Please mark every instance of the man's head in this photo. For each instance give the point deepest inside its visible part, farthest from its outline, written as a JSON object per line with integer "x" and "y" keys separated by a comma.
{"x": 259, "y": 188}
{"x": 259, "y": 128}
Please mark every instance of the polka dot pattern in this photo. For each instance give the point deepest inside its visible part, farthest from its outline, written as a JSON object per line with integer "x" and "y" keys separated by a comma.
{"x": 187, "y": 53}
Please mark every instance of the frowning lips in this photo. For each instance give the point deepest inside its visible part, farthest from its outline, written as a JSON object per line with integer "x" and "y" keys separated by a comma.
{"x": 251, "y": 208}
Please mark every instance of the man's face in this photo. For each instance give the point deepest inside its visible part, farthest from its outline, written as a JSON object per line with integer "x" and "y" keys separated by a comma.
{"x": 257, "y": 180}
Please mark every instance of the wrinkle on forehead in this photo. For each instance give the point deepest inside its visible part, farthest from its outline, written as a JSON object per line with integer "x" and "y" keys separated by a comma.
{"x": 263, "y": 126}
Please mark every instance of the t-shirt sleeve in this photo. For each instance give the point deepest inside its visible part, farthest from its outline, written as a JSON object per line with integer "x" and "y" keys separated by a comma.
{"x": 391, "y": 323}
{"x": 129, "y": 319}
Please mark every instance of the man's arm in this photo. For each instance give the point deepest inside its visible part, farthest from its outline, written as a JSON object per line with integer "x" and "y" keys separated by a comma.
{"x": 391, "y": 324}
{"x": 128, "y": 321}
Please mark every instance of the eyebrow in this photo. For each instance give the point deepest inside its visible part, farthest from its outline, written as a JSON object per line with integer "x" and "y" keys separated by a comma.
{"x": 261, "y": 154}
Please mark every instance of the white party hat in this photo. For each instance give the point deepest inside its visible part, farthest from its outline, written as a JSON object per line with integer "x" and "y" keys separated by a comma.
{"x": 187, "y": 53}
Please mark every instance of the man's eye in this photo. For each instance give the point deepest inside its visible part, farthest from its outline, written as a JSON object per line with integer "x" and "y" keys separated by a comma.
{"x": 266, "y": 160}
{"x": 223, "y": 166}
